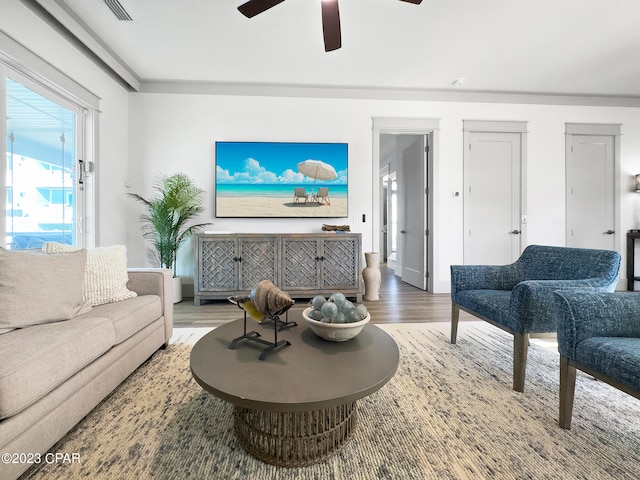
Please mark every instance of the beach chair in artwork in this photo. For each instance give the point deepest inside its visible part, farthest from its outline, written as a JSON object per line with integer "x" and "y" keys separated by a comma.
{"x": 322, "y": 196}
{"x": 299, "y": 194}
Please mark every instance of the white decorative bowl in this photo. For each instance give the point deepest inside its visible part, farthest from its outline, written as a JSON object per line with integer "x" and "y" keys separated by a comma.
{"x": 335, "y": 332}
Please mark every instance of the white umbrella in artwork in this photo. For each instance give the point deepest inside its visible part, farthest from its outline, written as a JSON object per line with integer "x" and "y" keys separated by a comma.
{"x": 318, "y": 170}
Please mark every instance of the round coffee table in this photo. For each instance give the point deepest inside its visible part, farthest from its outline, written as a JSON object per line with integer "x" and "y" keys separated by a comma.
{"x": 298, "y": 406}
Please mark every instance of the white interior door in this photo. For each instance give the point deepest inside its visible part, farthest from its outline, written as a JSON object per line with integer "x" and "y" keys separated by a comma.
{"x": 492, "y": 198}
{"x": 590, "y": 192}
{"x": 413, "y": 233}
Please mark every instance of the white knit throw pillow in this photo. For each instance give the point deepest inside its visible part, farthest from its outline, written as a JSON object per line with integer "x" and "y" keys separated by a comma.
{"x": 106, "y": 278}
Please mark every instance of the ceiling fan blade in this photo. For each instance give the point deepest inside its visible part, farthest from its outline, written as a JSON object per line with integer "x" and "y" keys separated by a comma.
{"x": 254, "y": 7}
{"x": 331, "y": 25}
{"x": 416, "y": 2}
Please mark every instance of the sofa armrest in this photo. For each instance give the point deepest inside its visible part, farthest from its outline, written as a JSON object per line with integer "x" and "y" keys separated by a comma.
{"x": 482, "y": 277}
{"x": 155, "y": 281}
{"x": 582, "y": 315}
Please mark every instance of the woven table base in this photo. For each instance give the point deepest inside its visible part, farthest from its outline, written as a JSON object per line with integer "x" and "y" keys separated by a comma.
{"x": 294, "y": 439}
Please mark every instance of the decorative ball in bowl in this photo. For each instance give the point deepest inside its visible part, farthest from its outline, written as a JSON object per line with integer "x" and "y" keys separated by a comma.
{"x": 335, "y": 332}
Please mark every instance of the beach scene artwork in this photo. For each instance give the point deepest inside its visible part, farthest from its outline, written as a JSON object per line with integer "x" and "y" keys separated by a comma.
{"x": 281, "y": 179}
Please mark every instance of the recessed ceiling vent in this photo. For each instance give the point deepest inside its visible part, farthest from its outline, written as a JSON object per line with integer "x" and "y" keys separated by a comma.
{"x": 118, "y": 10}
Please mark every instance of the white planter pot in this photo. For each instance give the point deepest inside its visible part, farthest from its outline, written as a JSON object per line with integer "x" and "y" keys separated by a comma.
{"x": 177, "y": 289}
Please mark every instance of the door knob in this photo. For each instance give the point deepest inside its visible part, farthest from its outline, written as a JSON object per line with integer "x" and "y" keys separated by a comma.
{"x": 403, "y": 231}
{"x": 515, "y": 232}
{"x": 610, "y": 232}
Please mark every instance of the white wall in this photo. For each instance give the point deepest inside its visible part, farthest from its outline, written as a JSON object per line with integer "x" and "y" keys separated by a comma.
{"x": 17, "y": 21}
{"x": 172, "y": 133}
{"x": 176, "y": 132}
{"x": 141, "y": 134}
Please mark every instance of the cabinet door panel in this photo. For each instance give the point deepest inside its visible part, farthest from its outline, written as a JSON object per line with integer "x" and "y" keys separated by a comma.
{"x": 259, "y": 260}
{"x": 219, "y": 265}
{"x": 340, "y": 264}
{"x": 300, "y": 264}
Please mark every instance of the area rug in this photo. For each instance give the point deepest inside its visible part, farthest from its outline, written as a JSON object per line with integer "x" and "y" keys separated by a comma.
{"x": 449, "y": 413}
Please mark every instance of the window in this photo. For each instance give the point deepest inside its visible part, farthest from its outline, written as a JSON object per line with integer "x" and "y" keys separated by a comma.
{"x": 47, "y": 194}
{"x": 41, "y": 169}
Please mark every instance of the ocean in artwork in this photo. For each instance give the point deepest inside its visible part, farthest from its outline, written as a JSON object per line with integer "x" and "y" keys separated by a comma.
{"x": 276, "y": 190}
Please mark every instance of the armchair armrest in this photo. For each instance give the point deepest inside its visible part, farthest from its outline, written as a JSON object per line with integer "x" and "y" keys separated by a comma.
{"x": 582, "y": 315}
{"x": 483, "y": 277}
{"x": 533, "y": 302}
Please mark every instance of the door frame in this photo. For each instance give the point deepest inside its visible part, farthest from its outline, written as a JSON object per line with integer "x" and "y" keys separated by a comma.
{"x": 411, "y": 126}
{"x": 500, "y": 126}
{"x": 598, "y": 129}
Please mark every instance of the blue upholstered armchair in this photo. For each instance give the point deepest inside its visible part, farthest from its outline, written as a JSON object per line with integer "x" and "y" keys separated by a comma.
{"x": 598, "y": 333}
{"x": 518, "y": 298}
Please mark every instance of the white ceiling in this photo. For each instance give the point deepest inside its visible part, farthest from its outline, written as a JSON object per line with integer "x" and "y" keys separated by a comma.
{"x": 567, "y": 47}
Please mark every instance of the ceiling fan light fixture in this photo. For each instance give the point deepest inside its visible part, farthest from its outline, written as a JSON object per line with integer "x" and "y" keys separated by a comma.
{"x": 331, "y": 25}
{"x": 330, "y": 18}
{"x": 254, "y": 7}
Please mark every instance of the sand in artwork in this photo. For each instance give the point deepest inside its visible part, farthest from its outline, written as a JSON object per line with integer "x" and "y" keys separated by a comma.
{"x": 277, "y": 206}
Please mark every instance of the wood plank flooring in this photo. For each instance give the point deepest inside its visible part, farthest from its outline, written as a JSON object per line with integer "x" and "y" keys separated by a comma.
{"x": 399, "y": 303}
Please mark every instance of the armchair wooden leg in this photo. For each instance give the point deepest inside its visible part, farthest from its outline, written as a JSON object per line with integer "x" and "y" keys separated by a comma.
{"x": 520, "y": 348}
{"x": 567, "y": 390}
{"x": 455, "y": 315}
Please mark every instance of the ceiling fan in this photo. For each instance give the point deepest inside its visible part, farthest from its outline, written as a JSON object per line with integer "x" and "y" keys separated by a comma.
{"x": 330, "y": 18}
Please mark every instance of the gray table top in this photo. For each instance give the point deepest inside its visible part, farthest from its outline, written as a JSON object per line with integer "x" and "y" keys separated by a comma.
{"x": 310, "y": 374}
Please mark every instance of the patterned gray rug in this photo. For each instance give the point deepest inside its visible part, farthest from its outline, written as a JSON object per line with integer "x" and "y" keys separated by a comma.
{"x": 449, "y": 413}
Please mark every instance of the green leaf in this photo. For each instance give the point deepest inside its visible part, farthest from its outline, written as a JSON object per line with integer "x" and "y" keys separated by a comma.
{"x": 177, "y": 200}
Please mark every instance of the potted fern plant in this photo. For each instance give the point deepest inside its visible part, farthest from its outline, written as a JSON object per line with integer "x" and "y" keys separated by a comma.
{"x": 165, "y": 220}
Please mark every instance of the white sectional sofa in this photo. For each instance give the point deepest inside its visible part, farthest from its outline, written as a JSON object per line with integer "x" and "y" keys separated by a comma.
{"x": 53, "y": 371}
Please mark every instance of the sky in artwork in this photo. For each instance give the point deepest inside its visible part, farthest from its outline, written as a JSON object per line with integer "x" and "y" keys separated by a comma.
{"x": 276, "y": 163}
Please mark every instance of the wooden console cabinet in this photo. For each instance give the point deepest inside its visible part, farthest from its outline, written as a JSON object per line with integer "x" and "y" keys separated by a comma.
{"x": 303, "y": 265}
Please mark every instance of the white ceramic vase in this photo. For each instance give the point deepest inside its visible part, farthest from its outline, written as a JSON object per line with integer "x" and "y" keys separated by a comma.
{"x": 372, "y": 276}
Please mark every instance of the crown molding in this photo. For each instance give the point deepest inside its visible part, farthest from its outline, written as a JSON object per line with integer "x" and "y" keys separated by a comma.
{"x": 59, "y": 16}
{"x": 378, "y": 93}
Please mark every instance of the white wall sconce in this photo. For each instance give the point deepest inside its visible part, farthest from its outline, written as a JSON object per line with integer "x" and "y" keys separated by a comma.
{"x": 637, "y": 186}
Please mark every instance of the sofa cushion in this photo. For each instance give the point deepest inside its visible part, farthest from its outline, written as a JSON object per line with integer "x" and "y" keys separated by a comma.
{"x": 106, "y": 274}
{"x": 131, "y": 315}
{"x": 37, "y": 359}
{"x": 616, "y": 357}
{"x": 50, "y": 285}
